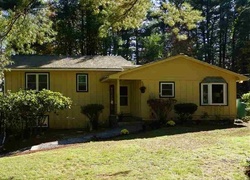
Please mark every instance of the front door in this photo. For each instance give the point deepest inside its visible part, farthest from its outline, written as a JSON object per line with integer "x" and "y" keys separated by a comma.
{"x": 124, "y": 99}
{"x": 112, "y": 99}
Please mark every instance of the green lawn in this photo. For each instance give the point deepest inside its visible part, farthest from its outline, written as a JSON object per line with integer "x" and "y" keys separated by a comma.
{"x": 168, "y": 153}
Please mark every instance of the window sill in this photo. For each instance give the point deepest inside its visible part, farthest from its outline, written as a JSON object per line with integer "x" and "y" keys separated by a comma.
{"x": 82, "y": 91}
{"x": 166, "y": 96}
{"x": 214, "y": 105}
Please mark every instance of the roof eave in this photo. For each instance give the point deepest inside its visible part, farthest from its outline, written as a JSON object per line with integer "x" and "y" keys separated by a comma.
{"x": 242, "y": 78}
{"x": 109, "y": 78}
{"x": 66, "y": 69}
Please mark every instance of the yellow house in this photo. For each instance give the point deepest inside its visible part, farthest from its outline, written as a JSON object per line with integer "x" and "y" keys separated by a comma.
{"x": 118, "y": 85}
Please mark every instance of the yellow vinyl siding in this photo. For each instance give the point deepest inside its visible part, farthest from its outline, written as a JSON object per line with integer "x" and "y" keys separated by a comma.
{"x": 14, "y": 81}
{"x": 135, "y": 98}
{"x": 187, "y": 76}
{"x": 179, "y": 69}
{"x": 65, "y": 82}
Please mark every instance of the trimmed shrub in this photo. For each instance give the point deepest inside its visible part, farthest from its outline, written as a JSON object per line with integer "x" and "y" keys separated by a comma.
{"x": 92, "y": 111}
{"x": 23, "y": 109}
{"x": 161, "y": 108}
{"x": 185, "y": 111}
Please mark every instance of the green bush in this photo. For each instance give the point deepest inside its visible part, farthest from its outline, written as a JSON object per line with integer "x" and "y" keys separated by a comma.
{"x": 185, "y": 111}
{"x": 24, "y": 109}
{"x": 245, "y": 119}
{"x": 246, "y": 99}
{"x": 92, "y": 111}
{"x": 161, "y": 108}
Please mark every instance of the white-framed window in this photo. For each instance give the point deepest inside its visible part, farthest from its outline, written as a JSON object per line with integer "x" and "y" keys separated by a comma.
{"x": 82, "y": 82}
{"x": 123, "y": 95}
{"x": 213, "y": 93}
{"x": 167, "y": 89}
{"x": 37, "y": 81}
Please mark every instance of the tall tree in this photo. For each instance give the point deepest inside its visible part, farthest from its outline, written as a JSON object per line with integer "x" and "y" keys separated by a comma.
{"x": 241, "y": 39}
{"x": 152, "y": 48}
{"x": 175, "y": 21}
{"x": 90, "y": 27}
{"x": 22, "y": 24}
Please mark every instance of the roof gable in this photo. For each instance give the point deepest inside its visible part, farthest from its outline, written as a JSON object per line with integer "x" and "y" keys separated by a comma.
{"x": 237, "y": 76}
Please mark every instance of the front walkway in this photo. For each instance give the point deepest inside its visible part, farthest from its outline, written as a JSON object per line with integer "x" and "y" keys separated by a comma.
{"x": 110, "y": 133}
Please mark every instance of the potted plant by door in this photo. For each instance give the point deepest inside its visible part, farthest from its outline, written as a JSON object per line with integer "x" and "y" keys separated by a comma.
{"x": 142, "y": 89}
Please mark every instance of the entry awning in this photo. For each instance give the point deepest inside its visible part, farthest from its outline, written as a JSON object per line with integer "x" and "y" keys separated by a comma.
{"x": 213, "y": 79}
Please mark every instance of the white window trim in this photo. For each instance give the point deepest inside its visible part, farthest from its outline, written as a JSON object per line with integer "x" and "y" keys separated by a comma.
{"x": 77, "y": 82}
{"x": 37, "y": 80}
{"x": 210, "y": 100}
{"x": 173, "y": 90}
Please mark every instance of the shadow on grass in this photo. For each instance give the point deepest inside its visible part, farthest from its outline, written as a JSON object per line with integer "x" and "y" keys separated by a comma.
{"x": 179, "y": 129}
{"x": 17, "y": 145}
{"x": 121, "y": 173}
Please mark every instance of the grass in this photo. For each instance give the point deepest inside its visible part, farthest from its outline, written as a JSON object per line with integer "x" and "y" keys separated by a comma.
{"x": 167, "y": 153}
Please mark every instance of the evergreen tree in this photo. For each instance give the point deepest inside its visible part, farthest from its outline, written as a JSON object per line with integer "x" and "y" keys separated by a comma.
{"x": 23, "y": 23}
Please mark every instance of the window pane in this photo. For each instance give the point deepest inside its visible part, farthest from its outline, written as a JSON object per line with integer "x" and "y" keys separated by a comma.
{"x": 43, "y": 82}
{"x": 124, "y": 90}
{"x": 167, "y": 92}
{"x": 43, "y": 78}
{"x": 31, "y": 81}
{"x": 82, "y": 79}
{"x": 82, "y": 87}
{"x": 217, "y": 93}
{"x": 123, "y": 95}
{"x": 167, "y": 86}
{"x": 123, "y": 101}
{"x": 205, "y": 94}
{"x": 31, "y": 86}
{"x": 31, "y": 78}
{"x": 42, "y": 86}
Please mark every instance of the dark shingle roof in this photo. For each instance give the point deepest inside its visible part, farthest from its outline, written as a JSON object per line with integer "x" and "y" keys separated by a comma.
{"x": 63, "y": 62}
